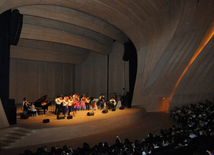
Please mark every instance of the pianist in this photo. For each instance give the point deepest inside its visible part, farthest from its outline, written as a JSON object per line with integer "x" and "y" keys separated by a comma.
{"x": 33, "y": 110}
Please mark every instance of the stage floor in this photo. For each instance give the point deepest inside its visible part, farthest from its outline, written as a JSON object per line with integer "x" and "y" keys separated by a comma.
{"x": 133, "y": 123}
{"x": 79, "y": 118}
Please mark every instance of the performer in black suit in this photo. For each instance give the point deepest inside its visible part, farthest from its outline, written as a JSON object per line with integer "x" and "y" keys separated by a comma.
{"x": 87, "y": 103}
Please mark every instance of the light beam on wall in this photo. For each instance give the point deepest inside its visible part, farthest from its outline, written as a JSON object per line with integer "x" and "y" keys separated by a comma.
{"x": 204, "y": 42}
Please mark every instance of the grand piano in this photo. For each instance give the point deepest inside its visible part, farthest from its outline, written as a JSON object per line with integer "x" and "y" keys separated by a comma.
{"x": 42, "y": 103}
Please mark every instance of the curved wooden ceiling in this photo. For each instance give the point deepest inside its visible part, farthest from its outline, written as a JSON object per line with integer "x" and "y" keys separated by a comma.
{"x": 62, "y": 24}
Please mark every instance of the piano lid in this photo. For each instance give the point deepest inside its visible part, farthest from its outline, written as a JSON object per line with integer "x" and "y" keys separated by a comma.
{"x": 42, "y": 99}
{"x": 48, "y": 98}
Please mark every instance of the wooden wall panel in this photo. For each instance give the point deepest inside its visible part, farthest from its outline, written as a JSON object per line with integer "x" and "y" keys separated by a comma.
{"x": 43, "y": 78}
{"x": 180, "y": 100}
{"x": 197, "y": 83}
{"x": 118, "y": 79}
{"x": 91, "y": 76}
{"x": 29, "y": 53}
{"x": 23, "y": 79}
{"x": 68, "y": 78}
{"x": 33, "y": 79}
{"x": 50, "y": 77}
{"x": 58, "y": 78}
{"x": 181, "y": 36}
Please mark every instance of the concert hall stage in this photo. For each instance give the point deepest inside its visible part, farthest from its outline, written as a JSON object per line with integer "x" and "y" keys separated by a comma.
{"x": 33, "y": 131}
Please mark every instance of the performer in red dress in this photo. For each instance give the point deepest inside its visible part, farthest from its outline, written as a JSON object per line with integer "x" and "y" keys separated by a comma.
{"x": 83, "y": 101}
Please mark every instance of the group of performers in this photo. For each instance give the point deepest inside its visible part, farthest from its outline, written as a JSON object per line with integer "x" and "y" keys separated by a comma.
{"x": 73, "y": 103}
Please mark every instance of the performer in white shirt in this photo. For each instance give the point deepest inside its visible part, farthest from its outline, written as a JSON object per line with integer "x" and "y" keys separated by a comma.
{"x": 70, "y": 104}
{"x": 32, "y": 109}
{"x": 112, "y": 103}
{"x": 65, "y": 105}
{"x": 58, "y": 105}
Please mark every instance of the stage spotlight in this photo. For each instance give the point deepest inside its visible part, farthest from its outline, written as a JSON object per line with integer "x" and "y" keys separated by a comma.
{"x": 105, "y": 111}
{"x": 46, "y": 121}
{"x": 90, "y": 114}
{"x": 69, "y": 117}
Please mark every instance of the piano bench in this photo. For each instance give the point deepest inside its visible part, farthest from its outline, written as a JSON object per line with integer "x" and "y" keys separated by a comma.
{"x": 32, "y": 113}
{"x": 39, "y": 110}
